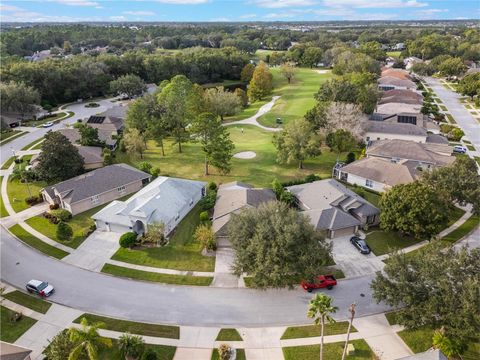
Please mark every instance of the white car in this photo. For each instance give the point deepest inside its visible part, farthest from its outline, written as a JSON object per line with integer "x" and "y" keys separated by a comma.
{"x": 459, "y": 149}
{"x": 48, "y": 124}
{"x": 41, "y": 288}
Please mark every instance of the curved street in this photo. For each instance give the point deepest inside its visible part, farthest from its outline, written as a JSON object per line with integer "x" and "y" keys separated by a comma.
{"x": 169, "y": 304}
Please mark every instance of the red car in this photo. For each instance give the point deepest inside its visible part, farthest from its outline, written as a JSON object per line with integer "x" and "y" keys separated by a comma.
{"x": 322, "y": 281}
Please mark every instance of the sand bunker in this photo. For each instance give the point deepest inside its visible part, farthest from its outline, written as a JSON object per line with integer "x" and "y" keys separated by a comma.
{"x": 245, "y": 155}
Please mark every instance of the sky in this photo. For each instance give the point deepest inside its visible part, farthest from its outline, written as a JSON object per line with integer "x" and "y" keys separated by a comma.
{"x": 235, "y": 10}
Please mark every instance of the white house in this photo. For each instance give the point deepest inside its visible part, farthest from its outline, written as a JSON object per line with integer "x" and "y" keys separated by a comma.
{"x": 165, "y": 200}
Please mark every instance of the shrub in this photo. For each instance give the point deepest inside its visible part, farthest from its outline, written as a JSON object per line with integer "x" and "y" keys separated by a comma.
{"x": 204, "y": 216}
{"x": 145, "y": 166}
{"x": 224, "y": 352}
{"x": 18, "y": 161}
{"x": 155, "y": 171}
{"x": 208, "y": 201}
{"x": 360, "y": 192}
{"x": 350, "y": 157}
{"x": 61, "y": 214}
{"x": 64, "y": 231}
{"x": 212, "y": 186}
{"x": 34, "y": 200}
{"x": 204, "y": 234}
{"x": 149, "y": 354}
{"x": 311, "y": 178}
{"x": 128, "y": 239}
{"x": 121, "y": 146}
{"x": 54, "y": 206}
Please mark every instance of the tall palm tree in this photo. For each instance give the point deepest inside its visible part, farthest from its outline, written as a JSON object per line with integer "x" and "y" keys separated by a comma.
{"x": 351, "y": 309}
{"x": 131, "y": 346}
{"x": 87, "y": 339}
{"x": 319, "y": 310}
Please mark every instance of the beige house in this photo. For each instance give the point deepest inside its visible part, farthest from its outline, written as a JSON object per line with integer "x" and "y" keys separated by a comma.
{"x": 92, "y": 157}
{"x": 95, "y": 188}
{"x": 380, "y": 130}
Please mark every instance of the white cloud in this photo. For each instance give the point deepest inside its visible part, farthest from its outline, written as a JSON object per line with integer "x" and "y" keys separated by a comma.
{"x": 183, "y": 2}
{"x": 139, "y": 13}
{"x": 276, "y": 4}
{"x": 117, "y": 18}
{"x": 8, "y": 8}
{"x": 430, "y": 11}
{"x": 374, "y": 3}
{"x": 248, "y": 16}
{"x": 281, "y": 15}
{"x": 77, "y": 2}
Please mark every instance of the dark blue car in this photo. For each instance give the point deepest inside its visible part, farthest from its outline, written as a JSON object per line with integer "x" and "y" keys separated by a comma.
{"x": 360, "y": 244}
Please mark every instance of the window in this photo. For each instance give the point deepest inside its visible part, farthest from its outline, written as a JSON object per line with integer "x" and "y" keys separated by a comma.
{"x": 94, "y": 199}
{"x": 121, "y": 189}
{"x": 404, "y": 119}
{"x": 369, "y": 183}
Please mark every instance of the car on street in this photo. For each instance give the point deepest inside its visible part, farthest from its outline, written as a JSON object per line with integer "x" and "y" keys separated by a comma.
{"x": 459, "y": 149}
{"x": 320, "y": 282}
{"x": 48, "y": 124}
{"x": 360, "y": 244}
{"x": 41, "y": 288}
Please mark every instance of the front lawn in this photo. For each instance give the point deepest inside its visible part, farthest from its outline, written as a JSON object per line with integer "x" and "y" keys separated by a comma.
{"x": 383, "y": 242}
{"x": 182, "y": 252}
{"x": 296, "y": 98}
{"x": 18, "y": 192}
{"x": 29, "y": 301}
{"x": 11, "y": 331}
{"x": 4, "y": 135}
{"x": 228, "y": 335}
{"x": 3, "y": 210}
{"x": 7, "y": 163}
{"x": 296, "y": 332}
{"x": 13, "y": 137}
{"x": 331, "y": 351}
{"x": 138, "y": 328}
{"x": 163, "y": 352}
{"x": 156, "y": 277}
{"x": 36, "y": 243}
{"x": 33, "y": 143}
{"x": 259, "y": 171}
{"x": 462, "y": 231}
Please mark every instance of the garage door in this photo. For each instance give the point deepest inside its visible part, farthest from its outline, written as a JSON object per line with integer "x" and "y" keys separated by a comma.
{"x": 119, "y": 228}
{"x": 344, "y": 232}
{"x": 101, "y": 225}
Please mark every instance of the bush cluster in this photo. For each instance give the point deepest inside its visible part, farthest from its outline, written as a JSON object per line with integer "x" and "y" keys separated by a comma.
{"x": 307, "y": 179}
{"x": 128, "y": 240}
{"x": 208, "y": 201}
{"x": 34, "y": 200}
{"x": 61, "y": 214}
{"x": 64, "y": 231}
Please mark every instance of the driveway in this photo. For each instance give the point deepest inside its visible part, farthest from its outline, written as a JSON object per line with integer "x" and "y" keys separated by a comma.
{"x": 351, "y": 261}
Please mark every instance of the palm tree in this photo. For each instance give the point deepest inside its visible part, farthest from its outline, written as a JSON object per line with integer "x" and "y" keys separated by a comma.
{"x": 319, "y": 310}
{"x": 87, "y": 339}
{"x": 352, "y": 311}
{"x": 131, "y": 346}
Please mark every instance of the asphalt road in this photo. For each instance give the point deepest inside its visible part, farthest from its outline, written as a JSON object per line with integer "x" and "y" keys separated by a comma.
{"x": 170, "y": 304}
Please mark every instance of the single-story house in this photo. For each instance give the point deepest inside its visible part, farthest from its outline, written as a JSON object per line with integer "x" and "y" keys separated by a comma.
{"x": 110, "y": 121}
{"x": 165, "y": 200}
{"x": 333, "y": 208}
{"x": 380, "y": 130}
{"x": 410, "y": 61}
{"x": 95, "y": 188}
{"x": 92, "y": 157}
{"x": 233, "y": 198}
{"x": 432, "y": 354}
{"x": 13, "y": 352}
{"x": 426, "y": 155}
{"x": 397, "y": 73}
{"x": 73, "y": 135}
{"x": 401, "y": 96}
{"x": 391, "y": 82}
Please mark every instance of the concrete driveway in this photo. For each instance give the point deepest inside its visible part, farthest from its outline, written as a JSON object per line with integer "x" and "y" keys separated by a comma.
{"x": 351, "y": 261}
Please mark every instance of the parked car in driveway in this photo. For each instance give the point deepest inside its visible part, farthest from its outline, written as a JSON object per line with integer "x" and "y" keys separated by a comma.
{"x": 41, "y": 288}
{"x": 360, "y": 244}
{"x": 48, "y": 124}
{"x": 459, "y": 149}
{"x": 320, "y": 282}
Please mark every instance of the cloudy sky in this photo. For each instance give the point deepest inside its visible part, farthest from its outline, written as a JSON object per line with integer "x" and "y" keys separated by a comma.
{"x": 235, "y": 10}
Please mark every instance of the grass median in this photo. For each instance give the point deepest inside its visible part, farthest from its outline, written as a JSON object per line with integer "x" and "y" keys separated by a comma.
{"x": 330, "y": 351}
{"x": 228, "y": 334}
{"x": 297, "y": 332}
{"x": 156, "y": 277}
{"x": 36, "y": 243}
{"x": 133, "y": 327}
{"x": 12, "y": 330}
{"x": 28, "y": 301}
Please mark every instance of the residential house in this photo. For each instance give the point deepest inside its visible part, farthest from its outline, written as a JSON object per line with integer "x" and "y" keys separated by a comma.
{"x": 396, "y": 73}
{"x": 13, "y": 352}
{"x": 95, "y": 188}
{"x": 234, "y": 197}
{"x": 92, "y": 157}
{"x": 410, "y": 61}
{"x": 431, "y": 354}
{"x": 399, "y": 47}
{"x": 110, "y": 121}
{"x": 165, "y": 200}
{"x": 378, "y": 130}
{"x": 392, "y": 162}
{"x": 73, "y": 135}
{"x": 333, "y": 208}
{"x": 401, "y": 96}
{"x": 391, "y": 82}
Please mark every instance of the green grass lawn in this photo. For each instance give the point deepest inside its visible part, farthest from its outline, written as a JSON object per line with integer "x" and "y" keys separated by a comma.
{"x": 477, "y": 159}
{"x": 296, "y": 332}
{"x": 29, "y": 301}
{"x": 39, "y": 123}
{"x": 471, "y": 147}
{"x": 7, "y": 163}
{"x": 240, "y": 353}
{"x": 382, "y": 242}
{"x": 394, "y": 53}
{"x": 443, "y": 107}
{"x": 450, "y": 118}
{"x": 13, "y": 137}
{"x": 248, "y": 111}
{"x": 4, "y": 135}
{"x": 38, "y": 244}
{"x": 138, "y": 328}
{"x": 34, "y": 142}
{"x": 391, "y": 317}
{"x": 11, "y": 331}
{"x": 331, "y": 351}
{"x": 156, "y": 277}
{"x": 18, "y": 192}
{"x": 463, "y": 230}
{"x": 259, "y": 171}
{"x": 296, "y": 98}
{"x": 228, "y": 335}
{"x": 182, "y": 252}
{"x": 3, "y": 210}
{"x": 371, "y": 196}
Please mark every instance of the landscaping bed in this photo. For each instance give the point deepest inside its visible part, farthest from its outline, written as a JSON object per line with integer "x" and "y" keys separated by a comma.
{"x": 137, "y": 328}
{"x": 331, "y": 351}
{"x": 36, "y": 243}
{"x": 29, "y": 301}
{"x": 156, "y": 277}
{"x": 11, "y": 331}
{"x": 182, "y": 252}
{"x": 163, "y": 352}
{"x": 18, "y": 192}
{"x": 240, "y": 354}
{"x": 297, "y": 332}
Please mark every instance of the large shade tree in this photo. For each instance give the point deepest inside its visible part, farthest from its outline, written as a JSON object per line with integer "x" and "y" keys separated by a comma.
{"x": 19, "y": 98}
{"x": 222, "y": 102}
{"x": 276, "y": 245}
{"x": 59, "y": 159}
{"x": 130, "y": 85}
{"x": 261, "y": 83}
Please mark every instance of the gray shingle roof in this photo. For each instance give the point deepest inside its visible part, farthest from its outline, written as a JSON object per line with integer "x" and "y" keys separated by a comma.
{"x": 395, "y": 128}
{"x": 331, "y": 219}
{"x": 97, "y": 182}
